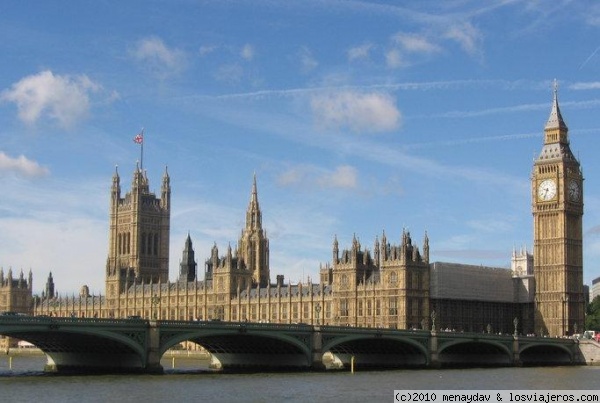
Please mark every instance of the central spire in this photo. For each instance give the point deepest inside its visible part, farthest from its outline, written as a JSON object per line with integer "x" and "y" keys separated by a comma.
{"x": 253, "y": 215}
{"x": 556, "y": 129}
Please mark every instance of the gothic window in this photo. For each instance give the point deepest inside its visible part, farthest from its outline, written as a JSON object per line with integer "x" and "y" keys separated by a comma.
{"x": 393, "y": 306}
{"x": 119, "y": 249}
{"x": 143, "y": 243}
{"x": 344, "y": 307}
{"x": 415, "y": 280}
{"x": 128, "y": 242}
{"x": 360, "y": 308}
{"x": 393, "y": 277}
{"x": 344, "y": 281}
{"x": 369, "y": 308}
{"x": 377, "y": 308}
{"x": 155, "y": 244}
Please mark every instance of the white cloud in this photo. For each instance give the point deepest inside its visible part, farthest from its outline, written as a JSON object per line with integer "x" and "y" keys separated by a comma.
{"x": 415, "y": 43}
{"x": 359, "y": 52}
{"x": 307, "y": 60}
{"x": 247, "y": 52}
{"x": 21, "y": 166}
{"x": 230, "y": 73}
{"x": 311, "y": 177}
{"x": 206, "y": 50}
{"x": 158, "y": 57}
{"x": 467, "y": 36}
{"x": 595, "y": 85}
{"x": 394, "y": 59}
{"x": 64, "y": 99}
{"x": 361, "y": 112}
{"x": 344, "y": 177}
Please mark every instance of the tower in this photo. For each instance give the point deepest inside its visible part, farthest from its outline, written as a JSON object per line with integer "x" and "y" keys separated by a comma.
{"x": 557, "y": 204}
{"x": 138, "y": 234}
{"x": 187, "y": 266}
{"x": 254, "y": 245}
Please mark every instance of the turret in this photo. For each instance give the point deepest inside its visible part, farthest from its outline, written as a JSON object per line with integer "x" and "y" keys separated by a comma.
{"x": 50, "y": 287}
{"x": 187, "y": 271}
{"x": 165, "y": 193}
{"x": 426, "y": 248}
{"x": 336, "y": 250}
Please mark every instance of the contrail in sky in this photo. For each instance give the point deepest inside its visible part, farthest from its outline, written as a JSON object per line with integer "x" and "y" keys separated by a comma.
{"x": 589, "y": 58}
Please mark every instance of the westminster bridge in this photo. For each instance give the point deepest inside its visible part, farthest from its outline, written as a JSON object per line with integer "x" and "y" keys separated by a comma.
{"x": 137, "y": 345}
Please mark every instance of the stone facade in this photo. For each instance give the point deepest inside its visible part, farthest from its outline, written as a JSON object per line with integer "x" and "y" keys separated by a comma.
{"x": 557, "y": 203}
{"x": 390, "y": 286}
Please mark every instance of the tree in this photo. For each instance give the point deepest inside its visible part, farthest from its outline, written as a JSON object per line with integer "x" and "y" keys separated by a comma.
{"x": 592, "y": 319}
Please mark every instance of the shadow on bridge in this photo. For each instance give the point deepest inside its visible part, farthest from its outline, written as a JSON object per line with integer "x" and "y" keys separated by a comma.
{"x": 83, "y": 345}
{"x": 135, "y": 345}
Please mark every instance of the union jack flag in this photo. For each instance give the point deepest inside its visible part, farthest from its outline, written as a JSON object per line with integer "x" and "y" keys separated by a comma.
{"x": 139, "y": 138}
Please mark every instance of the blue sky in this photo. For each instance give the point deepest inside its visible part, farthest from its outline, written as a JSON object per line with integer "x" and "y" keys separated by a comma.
{"x": 357, "y": 118}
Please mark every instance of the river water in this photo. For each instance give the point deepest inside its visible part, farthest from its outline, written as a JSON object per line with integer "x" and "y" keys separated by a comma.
{"x": 22, "y": 380}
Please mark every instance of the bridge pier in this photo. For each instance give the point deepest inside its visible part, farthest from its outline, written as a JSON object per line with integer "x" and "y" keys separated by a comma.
{"x": 317, "y": 350}
{"x": 434, "y": 361}
{"x": 153, "y": 365}
{"x": 516, "y": 358}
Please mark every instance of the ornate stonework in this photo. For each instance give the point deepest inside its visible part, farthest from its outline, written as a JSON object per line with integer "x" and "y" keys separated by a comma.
{"x": 557, "y": 202}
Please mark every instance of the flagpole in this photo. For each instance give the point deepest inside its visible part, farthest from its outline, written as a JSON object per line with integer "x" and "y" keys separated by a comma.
{"x": 139, "y": 139}
{"x": 142, "y": 152}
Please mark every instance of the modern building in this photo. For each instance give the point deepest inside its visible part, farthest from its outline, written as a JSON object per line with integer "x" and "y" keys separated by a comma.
{"x": 390, "y": 285}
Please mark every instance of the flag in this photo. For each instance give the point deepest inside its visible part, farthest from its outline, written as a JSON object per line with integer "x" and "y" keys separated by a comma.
{"x": 139, "y": 138}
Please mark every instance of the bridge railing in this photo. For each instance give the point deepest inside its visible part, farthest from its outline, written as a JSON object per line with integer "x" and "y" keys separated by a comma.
{"x": 66, "y": 320}
{"x": 236, "y": 325}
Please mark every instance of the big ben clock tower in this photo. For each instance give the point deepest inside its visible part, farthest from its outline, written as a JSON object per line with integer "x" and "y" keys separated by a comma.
{"x": 557, "y": 203}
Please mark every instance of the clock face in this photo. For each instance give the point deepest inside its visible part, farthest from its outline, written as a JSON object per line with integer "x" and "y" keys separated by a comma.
{"x": 547, "y": 190}
{"x": 574, "y": 192}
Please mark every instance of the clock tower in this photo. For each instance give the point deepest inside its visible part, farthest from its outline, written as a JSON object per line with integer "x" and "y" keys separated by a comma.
{"x": 557, "y": 204}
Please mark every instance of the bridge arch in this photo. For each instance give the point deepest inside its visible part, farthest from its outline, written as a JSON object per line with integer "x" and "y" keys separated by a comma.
{"x": 84, "y": 349}
{"x": 545, "y": 354}
{"x": 246, "y": 348}
{"x": 379, "y": 350}
{"x": 474, "y": 352}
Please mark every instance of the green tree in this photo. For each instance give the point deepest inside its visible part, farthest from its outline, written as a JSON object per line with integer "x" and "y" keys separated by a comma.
{"x": 592, "y": 319}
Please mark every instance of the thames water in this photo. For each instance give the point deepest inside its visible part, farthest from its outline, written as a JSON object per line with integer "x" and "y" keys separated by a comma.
{"x": 185, "y": 379}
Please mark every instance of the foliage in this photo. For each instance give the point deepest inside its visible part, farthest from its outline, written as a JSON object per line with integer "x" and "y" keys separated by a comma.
{"x": 592, "y": 319}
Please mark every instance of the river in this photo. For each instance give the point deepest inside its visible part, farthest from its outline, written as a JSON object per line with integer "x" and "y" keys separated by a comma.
{"x": 22, "y": 380}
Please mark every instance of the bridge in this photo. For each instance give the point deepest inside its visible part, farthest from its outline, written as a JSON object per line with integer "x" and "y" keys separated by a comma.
{"x": 137, "y": 345}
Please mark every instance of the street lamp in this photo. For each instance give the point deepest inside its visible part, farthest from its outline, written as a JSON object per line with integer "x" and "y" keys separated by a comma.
{"x": 155, "y": 300}
{"x": 318, "y": 309}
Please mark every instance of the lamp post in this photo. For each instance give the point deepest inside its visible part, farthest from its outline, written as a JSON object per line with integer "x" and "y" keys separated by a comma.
{"x": 318, "y": 309}
{"x": 155, "y": 300}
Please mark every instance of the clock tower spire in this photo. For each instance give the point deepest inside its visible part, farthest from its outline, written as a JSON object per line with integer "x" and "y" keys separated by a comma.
{"x": 557, "y": 206}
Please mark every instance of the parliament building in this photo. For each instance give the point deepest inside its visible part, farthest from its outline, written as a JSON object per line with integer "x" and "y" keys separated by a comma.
{"x": 388, "y": 285}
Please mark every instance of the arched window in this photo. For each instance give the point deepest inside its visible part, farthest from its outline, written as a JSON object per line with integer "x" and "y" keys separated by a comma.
{"x": 393, "y": 277}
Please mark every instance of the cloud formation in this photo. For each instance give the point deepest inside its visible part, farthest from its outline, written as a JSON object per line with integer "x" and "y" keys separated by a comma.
{"x": 358, "y": 111}
{"x": 64, "y": 99}
{"x": 467, "y": 36}
{"x": 308, "y": 176}
{"x": 158, "y": 57}
{"x": 21, "y": 166}
{"x": 247, "y": 52}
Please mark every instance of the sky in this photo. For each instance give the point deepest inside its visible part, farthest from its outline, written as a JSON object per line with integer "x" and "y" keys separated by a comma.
{"x": 357, "y": 117}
